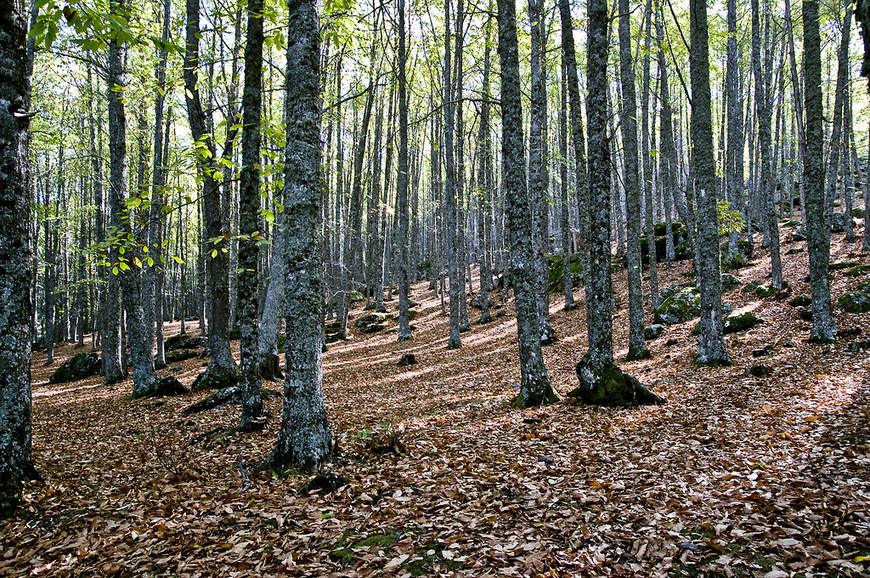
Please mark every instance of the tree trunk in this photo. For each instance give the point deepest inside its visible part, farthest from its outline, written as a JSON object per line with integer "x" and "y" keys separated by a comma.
{"x": 252, "y": 417}
{"x": 304, "y": 439}
{"x": 535, "y": 388}
{"x": 402, "y": 208}
{"x": 711, "y": 346}
{"x": 453, "y": 264}
{"x": 637, "y": 348}
{"x": 818, "y": 235}
{"x": 144, "y": 380}
{"x": 484, "y": 185}
{"x": 648, "y": 183}
{"x": 16, "y": 464}
{"x": 667, "y": 172}
{"x": 567, "y": 280}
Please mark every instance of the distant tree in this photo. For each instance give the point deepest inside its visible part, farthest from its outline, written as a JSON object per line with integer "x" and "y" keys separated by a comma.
{"x": 16, "y": 464}
{"x": 304, "y": 439}
{"x": 402, "y": 209}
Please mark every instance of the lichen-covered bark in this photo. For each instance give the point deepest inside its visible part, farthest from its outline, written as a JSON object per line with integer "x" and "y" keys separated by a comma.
{"x": 535, "y": 388}
{"x": 577, "y": 135}
{"x": 538, "y": 173}
{"x": 818, "y": 235}
{"x": 567, "y": 281}
{"x": 666, "y": 124}
{"x": 402, "y": 209}
{"x": 735, "y": 153}
{"x": 221, "y": 365}
{"x": 485, "y": 186}
{"x": 645, "y": 154}
{"x": 637, "y": 348}
{"x": 711, "y": 346}
{"x": 15, "y": 256}
{"x": 454, "y": 339}
{"x": 249, "y": 223}
{"x": 273, "y": 306}
{"x": 141, "y": 359}
{"x": 304, "y": 439}
{"x": 598, "y": 278}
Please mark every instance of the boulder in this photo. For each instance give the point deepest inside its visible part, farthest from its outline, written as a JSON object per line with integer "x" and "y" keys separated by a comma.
{"x": 805, "y": 314}
{"x": 166, "y": 386}
{"x": 79, "y": 366}
{"x": 176, "y": 355}
{"x": 373, "y": 328}
{"x": 370, "y": 318}
{"x": 740, "y": 322}
{"x": 680, "y": 307}
{"x": 729, "y": 282}
{"x": 854, "y": 302}
{"x": 760, "y": 371}
{"x": 857, "y": 271}
{"x": 839, "y": 221}
{"x": 407, "y": 359}
{"x": 183, "y": 341}
{"x": 800, "y": 301}
{"x": 653, "y": 331}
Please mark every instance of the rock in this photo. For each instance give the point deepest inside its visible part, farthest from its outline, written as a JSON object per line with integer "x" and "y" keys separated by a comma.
{"x": 856, "y": 346}
{"x": 672, "y": 341}
{"x": 407, "y": 359}
{"x": 690, "y": 546}
{"x": 611, "y": 387}
{"x": 680, "y": 307}
{"x": 805, "y": 314}
{"x": 764, "y": 291}
{"x": 323, "y": 483}
{"x": 371, "y": 318}
{"x": 864, "y": 287}
{"x": 166, "y": 386}
{"x": 653, "y": 331}
{"x": 729, "y": 282}
{"x": 355, "y": 297}
{"x": 801, "y": 301}
{"x": 183, "y": 341}
{"x": 760, "y": 371}
{"x": 545, "y": 459}
{"x": 79, "y": 366}
{"x": 799, "y": 234}
{"x": 750, "y": 287}
{"x": 176, "y": 355}
{"x": 215, "y": 378}
{"x": 373, "y": 328}
{"x": 794, "y": 251}
{"x": 850, "y": 332}
{"x": 839, "y": 221}
{"x": 854, "y": 302}
{"x": 764, "y": 351}
{"x": 789, "y": 343}
{"x": 740, "y": 322}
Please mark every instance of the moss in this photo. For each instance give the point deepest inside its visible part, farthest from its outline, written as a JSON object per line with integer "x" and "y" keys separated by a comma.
{"x": 524, "y": 401}
{"x": 740, "y": 322}
{"x": 864, "y": 287}
{"x": 760, "y": 371}
{"x": 729, "y": 282}
{"x": 680, "y": 307}
{"x": 344, "y": 549}
{"x": 181, "y": 341}
{"x": 609, "y": 386}
{"x": 215, "y": 377}
{"x": 427, "y": 557}
{"x": 371, "y": 318}
{"x": 843, "y": 265}
{"x": 77, "y": 367}
{"x": 805, "y": 314}
{"x": 857, "y": 271}
{"x": 794, "y": 251}
{"x": 858, "y": 213}
{"x": 764, "y": 291}
{"x": 800, "y": 301}
{"x": 854, "y": 302}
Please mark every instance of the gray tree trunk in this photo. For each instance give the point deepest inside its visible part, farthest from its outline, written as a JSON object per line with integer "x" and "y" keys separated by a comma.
{"x": 734, "y": 156}
{"x": 637, "y": 348}
{"x": 304, "y": 439}
{"x": 667, "y": 171}
{"x": 818, "y": 235}
{"x": 564, "y": 185}
{"x": 648, "y": 183}
{"x": 402, "y": 238}
{"x": 535, "y": 388}
{"x": 453, "y": 264}
{"x": 711, "y": 346}
{"x": 484, "y": 168}
{"x": 16, "y": 464}
{"x": 252, "y": 417}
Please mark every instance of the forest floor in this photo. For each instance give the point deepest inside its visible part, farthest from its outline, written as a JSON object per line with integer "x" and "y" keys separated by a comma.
{"x": 736, "y": 475}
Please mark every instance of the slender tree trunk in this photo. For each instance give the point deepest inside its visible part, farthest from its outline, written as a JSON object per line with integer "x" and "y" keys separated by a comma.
{"x": 667, "y": 171}
{"x": 304, "y": 439}
{"x": 453, "y": 264}
{"x": 647, "y": 181}
{"x": 637, "y": 348}
{"x": 711, "y": 347}
{"x": 16, "y": 464}
{"x": 402, "y": 209}
{"x": 252, "y": 417}
{"x": 484, "y": 169}
{"x": 144, "y": 380}
{"x": 818, "y": 234}
{"x": 734, "y": 156}
{"x": 535, "y": 388}
{"x": 564, "y": 186}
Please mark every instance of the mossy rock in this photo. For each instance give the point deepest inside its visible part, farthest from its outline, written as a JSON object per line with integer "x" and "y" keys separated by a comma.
{"x": 610, "y": 387}
{"x": 668, "y": 291}
{"x": 740, "y": 322}
{"x": 736, "y": 261}
{"x": 864, "y": 287}
{"x": 215, "y": 377}
{"x": 843, "y": 265}
{"x": 332, "y": 337}
{"x": 373, "y": 328}
{"x": 791, "y": 223}
{"x": 794, "y": 251}
{"x": 371, "y": 318}
{"x": 653, "y": 331}
{"x": 355, "y": 297}
{"x": 857, "y": 271}
{"x": 729, "y": 282}
{"x": 764, "y": 291}
{"x": 660, "y": 228}
{"x": 839, "y": 222}
{"x": 680, "y": 307}
{"x": 176, "y": 355}
{"x": 183, "y": 341}
{"x": 805, "y": 314}
{"x": 79, "y": 366}
{"x": 163, "y": 387}
{"x": 760, "y": 371}
{"x": 854, "y": 302}
{"x": 858, "y": 213}
{"x": 556, "y": 273}
{"x": 801, "y": 301}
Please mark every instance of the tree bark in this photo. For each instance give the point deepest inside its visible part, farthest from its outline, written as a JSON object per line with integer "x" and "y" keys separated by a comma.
{"x": 818, "y": 235}
{"x": 535, "y": 388}
{"x": 16, "y": 465}
{"x": 304, "y": 439}
{"x": 711, "y": 346}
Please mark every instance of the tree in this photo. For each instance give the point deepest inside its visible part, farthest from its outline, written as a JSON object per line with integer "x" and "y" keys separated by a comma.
{"x": 818, "y": 236}
{"x": 711, "y": 346}
{"x": 402, "y": 209}
{"x": 637, "y": 348}
{"x": 304, "y": 439}
{"x": 249, "y": 223}
{"x": 535, "y": 388}
{"x": 16, "y": 465}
